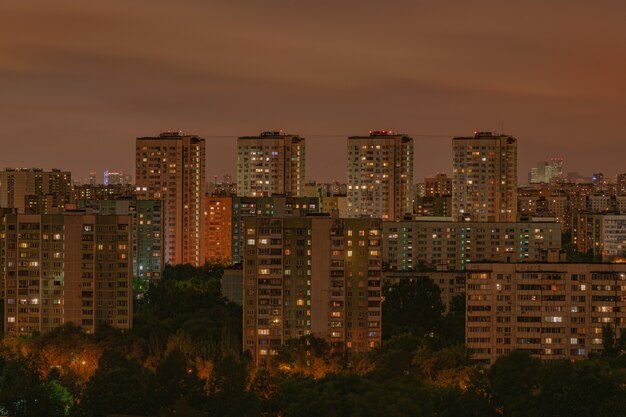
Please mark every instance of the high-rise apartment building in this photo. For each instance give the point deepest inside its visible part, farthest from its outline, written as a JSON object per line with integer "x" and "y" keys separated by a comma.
{"x": 380, "y": 175}
{"x": 551, "y": 310}
{"x": 484, "y": 181}
{"x": 35, "y": 191}
{"x": 271, "y": 163}
{"x": 72, "y": 267}
{"x": 171, "y": 167}
{"x": 312, "y": 275}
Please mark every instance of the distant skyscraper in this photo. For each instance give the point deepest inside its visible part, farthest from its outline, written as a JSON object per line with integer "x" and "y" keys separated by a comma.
{"x": 380, "y": 175}
{"x": 484, "y": 184}
{"x": 116, "y": 178}
{"x": 271, "y": 163}
{"x": 34, "y": 191}
{"x": 546, "y": 172}
{"x": 597, "y": 178}
{"x": 171, "y": 167}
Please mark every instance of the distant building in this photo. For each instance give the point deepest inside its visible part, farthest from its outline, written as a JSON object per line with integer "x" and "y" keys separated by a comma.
{"x": 35, "y": 191}
{"x": 484, "y": 181}
{"x": 434, "y": 206}
{"x": 546, "y": 171}
{"x": 448, "y": 245}
{"x": 380, "y": 175}
{"x": 218, "y": 229}
{"x": 604, "y": 235}
{"x": 438, "y": 186}
{"x": 312, "y": 275}
{"x": 621, "y": 184}
{"x": 72, "y": 267}
{"x": 336, "y": 205}
{"x": 232, "y": 285}
{"x": 171, "y": 168}
{"x": 550, "y": 310}
{"x": 102, "y": 192}
{"x": 271, "y": 163}
{"x": 116, "y": 178}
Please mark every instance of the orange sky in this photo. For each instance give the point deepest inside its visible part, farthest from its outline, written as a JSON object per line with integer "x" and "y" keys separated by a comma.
{"x": 80, "y": 80}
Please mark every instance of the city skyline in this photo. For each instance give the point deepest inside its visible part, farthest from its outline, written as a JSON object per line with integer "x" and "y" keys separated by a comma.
{"x": 439, "y": 71}
{"x": 337, "y": 160}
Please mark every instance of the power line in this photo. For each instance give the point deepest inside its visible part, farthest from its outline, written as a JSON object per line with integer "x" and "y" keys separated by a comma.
{"x": 334, "y": 135}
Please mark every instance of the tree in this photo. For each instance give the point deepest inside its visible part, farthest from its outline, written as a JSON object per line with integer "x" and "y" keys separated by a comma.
{"x": 512, "y": 381}
{"x": 412, "y": 305}
{"x": 119, "y": 386}
{"x": 24, "y": 394}
{"x": 177, "y": 383}
{"x": 309, "y": 356}
{"x": 230, "y": 395}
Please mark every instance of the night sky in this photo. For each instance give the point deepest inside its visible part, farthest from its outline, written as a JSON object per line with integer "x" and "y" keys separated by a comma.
{"x": 80, "y": 80}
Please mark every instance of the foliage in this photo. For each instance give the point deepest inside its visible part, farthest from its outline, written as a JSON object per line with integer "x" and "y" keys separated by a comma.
{"x": 412, "y": 306}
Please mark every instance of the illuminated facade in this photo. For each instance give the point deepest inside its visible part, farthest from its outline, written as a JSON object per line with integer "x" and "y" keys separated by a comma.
{"x": 380, "y": 175}
{"x": 276, "y": 206}
{"x": 147, "y": 231}
{"x": 66, "y": 268}
{"x": 551, "y": 310}
{"x": 484, "y": 180}
{"x": 218, "y": 228}
{"x": 171, "y": 168}
{"x": 271, "y": 163}
{"x": 312, "y": 275}
{"x": 449, "y": 245}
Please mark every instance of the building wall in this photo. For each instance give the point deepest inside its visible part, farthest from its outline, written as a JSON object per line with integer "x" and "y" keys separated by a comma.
{"x": 380, "y": 175}
{"x": 171, "y": 168}
{"x": 275, "y": 206}
{"x": 147, "y": 229}
{"x": 35, "y": 191}
{"x": 218, "y": 228}
{"x": 271, "y": 163}
{"x": 61, "y": 268}
{"x": 484, "y": 182}
{"x": 311, "y": 275}
{"x": 551, "y": 310}
{"x": 408, "y": 245}
{"x": 232, "y": 285}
